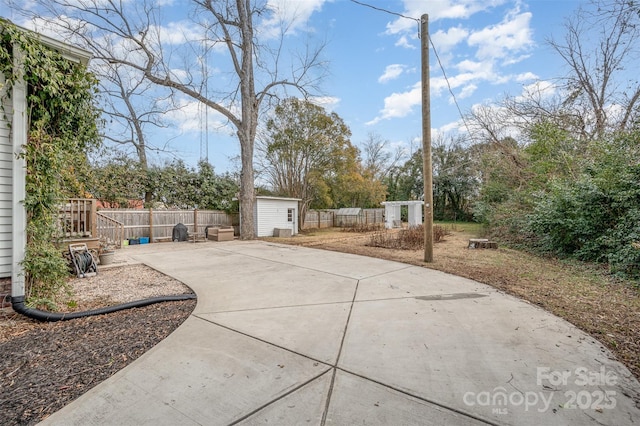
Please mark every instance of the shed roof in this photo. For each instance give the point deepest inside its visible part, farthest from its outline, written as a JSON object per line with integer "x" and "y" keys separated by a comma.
{"x": 349, "y": 211}
{"x": 267, "y": 197}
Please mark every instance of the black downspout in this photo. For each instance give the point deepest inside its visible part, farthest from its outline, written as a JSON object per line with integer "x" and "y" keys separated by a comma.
{"x": 18, "y": 305}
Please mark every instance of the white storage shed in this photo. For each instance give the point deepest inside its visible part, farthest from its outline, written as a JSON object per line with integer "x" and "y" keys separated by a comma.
{"x": 273, "y": 213}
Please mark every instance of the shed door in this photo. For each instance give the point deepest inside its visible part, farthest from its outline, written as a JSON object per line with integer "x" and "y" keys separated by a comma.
{"x": 291, "y": 218}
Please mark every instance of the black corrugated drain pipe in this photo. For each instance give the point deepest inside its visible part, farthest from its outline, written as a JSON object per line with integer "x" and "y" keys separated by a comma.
{"x": 18, "y": 305}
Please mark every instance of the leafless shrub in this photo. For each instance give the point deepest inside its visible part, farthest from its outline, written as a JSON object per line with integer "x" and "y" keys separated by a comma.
{"x": 406, "y": 239}
{"x": 439, "y": 232}
{"x": 382, "y": 239}
{"x": 364, "y": 227}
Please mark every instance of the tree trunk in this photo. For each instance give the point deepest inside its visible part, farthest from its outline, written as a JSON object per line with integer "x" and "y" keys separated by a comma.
{"x": 249, "y": 124}
{"x": 304, "y": 208}
{"x": 247, "y": 195}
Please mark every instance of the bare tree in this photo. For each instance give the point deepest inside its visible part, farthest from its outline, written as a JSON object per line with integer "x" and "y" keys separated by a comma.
{"x": 130, "y": 103}
{"x": 600, "y": 47}
{"x": 378, "y": 158}
{"x": 302, "y": 149}
{"x": 131, "y": 109}
{"x": 601, "y": 92}
{"x": 131, "y": 34}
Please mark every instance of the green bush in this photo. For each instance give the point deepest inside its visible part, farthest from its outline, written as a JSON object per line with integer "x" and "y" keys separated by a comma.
{"x": 595, "y": 219}
{"x": 63, "y": 127}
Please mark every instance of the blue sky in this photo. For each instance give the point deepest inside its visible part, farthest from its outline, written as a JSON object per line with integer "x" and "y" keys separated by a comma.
{"x": 488, "y": 48}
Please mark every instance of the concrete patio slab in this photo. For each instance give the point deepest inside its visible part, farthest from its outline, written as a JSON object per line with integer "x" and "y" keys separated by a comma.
{"x": 413, "y": 281}
{"x": 291, "y": 335}
{"x": 118, "y": 402}
{"x": 202, "y": 373}
{"x": 342, "y": 264}
{"x": 312, "y": 330}
{"x": 305, "y": 406}
{"x": 355, "y": 400}
{"x": 471, "y": 353}
{"x": 238, "y": 282}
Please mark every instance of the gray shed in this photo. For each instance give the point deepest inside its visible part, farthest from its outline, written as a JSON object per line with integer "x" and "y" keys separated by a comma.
{"x": 349, "y": 216}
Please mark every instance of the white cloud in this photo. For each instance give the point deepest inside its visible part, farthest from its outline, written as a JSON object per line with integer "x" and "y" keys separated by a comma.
{"x": 444, "y": 41}
{"x": 51, "y": 27}
{"x": 526, "y": 76}
{"x": 467, "y": 91}
{"x": 177, "y": 33}
{"x": 405, "y": 43}
{"x": 179, "y": 74}
{"x": 455, "y": 127}
{"x": 190, "y": 117}
{"x": 439, "y": 84}
{"x": 512, "y": 35}
{"x": 515, "y": 59}
{"x": 472, "y": 66}
{"x": 498, "y": 45}
{"x": 438, "y": 9}
{"x": 391, "y": 72}
{"x": 507, "y": 42}
{"x": 292, "y": 15}
{"x": 327, "y": 102}
{"x": 538, "y": 90}
{"x": 399, "y": 105}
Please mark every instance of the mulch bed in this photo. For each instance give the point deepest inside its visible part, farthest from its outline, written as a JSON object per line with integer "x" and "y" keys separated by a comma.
{"x": 48, "y": 365}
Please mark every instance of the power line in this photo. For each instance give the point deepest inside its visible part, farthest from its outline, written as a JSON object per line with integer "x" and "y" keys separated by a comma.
{"x": 446, "y": 79}
{"x": 455, "y": 100}
{"x": 385, "y": 10}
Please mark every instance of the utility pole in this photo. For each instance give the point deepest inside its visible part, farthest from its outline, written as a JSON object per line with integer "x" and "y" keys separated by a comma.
{"x": 426, "y": 141}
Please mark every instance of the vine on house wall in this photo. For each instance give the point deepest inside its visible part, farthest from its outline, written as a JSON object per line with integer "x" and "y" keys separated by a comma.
{"x": 62, "y": 129}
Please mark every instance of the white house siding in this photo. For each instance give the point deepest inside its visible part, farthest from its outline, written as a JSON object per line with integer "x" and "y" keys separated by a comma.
{"x": 272, "y": 212}
{"x": 6, "y": 182}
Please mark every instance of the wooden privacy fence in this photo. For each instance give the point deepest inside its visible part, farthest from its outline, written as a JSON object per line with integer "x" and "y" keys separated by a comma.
{"x": 315, "y": 219}
{"x": 373, "y": 215}
{"x": 158, "y": 224}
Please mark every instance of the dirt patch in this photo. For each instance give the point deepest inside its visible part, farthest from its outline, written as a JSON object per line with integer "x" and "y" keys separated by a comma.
{"x": 44, "y": 366}
{"x": 584, "y": 295}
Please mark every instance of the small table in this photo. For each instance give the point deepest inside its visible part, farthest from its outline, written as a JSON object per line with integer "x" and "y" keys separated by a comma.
{"x": 195, "y": 237}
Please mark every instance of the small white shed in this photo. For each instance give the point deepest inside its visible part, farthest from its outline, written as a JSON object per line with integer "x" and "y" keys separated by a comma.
{"x": 275, "y": 213}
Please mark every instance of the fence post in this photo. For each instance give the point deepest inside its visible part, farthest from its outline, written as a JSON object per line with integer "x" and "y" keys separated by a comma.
{"x": 151, "y": 225}
{"x": 195, "y": 221}
{"x": 94, "y": 218}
